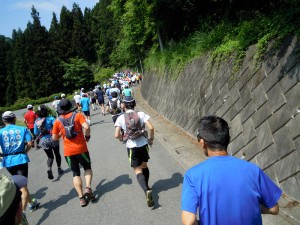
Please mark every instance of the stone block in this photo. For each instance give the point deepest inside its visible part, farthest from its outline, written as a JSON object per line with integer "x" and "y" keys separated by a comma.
{"x": 288, "y": 166}
{"x": 284, "y": 143}
{"x": 291, "y": 186}
{"x": 246, "y": 96}
{"x": 259, "y": 96}
{"x": 290, "y": 79}
{"x": 247, "y": 112}
{"x": 250, "y": 150}
{"x": 280, "y": 118}
{"x": 235, "y": 127}
{"x": 276, "y": 97}
{"x": 249, "y": 132}
{"x": 236, "y": 145}
{"x": 270, "y": 80}
{"x": 244, "y": 79}
{"x": 261, "y": 115}
{"x": 235, "y": 109}
{"x": 267, "y": 157}
{"x": 293, "y": 99}
{"x": 293, "y": 127}
{"x": 264, "y": 136}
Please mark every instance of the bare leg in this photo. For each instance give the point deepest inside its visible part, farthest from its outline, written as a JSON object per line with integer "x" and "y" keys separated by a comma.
{"x": 88, "y": 175}
{"x": 77, "y": 182}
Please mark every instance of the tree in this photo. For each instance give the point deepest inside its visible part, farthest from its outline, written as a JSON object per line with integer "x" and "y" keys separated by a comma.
{"x": 78, "y": 74}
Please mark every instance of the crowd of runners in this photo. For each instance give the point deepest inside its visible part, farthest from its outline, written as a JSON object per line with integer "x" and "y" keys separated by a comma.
{"x": 222, "y": 190}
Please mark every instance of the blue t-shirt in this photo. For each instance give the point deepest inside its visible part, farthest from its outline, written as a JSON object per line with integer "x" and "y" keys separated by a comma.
{"x": 49, "y": 124}
{"x": 85, "y": 104}
{"x": 12, "y": 141}
{"x": 228, "y": 191}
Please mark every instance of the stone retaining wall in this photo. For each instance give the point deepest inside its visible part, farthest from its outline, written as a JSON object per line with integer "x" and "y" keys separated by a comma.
{"x": 261, "y": 105}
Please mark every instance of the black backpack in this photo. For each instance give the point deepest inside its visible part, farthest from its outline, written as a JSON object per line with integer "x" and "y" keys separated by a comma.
{"x": 69, "y": 126}
{"x": 114, "y": 106}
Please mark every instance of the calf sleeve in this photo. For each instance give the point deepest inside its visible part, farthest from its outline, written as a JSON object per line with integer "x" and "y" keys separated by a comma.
{"x": 141, "y": 179}
{"x": 146, "y": 173}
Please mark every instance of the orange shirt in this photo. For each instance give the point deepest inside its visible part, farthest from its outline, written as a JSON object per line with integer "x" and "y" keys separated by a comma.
{"x": 76, "y": 145}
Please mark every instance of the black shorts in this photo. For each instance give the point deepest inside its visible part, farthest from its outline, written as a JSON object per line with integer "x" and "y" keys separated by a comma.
{"x": 74, "y": 161}
{"x": 86, "y": 113}
{"x": 93, "y": 100}
{"x": 21, "y": 169}
{"x": 138, "y": 155}
{"x": 101, "y": 101}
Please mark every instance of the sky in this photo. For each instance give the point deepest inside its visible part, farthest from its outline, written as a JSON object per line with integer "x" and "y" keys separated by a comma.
{"x": 15, "y": 14}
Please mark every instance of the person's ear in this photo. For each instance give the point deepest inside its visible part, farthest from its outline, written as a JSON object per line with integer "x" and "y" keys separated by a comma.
{"x": 202, "y": 144}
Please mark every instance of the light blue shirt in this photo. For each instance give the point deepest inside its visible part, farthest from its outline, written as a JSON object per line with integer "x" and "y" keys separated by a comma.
{"x": 85, "y": 104}
{"x": 13, "y": 140}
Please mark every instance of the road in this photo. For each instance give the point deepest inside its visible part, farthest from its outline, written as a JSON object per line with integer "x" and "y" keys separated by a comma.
{"x": 120, "y": 200}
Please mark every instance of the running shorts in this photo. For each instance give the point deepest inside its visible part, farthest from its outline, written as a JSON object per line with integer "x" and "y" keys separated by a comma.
{"x": 21, "y": 169}
{"x": 86, "y": 113}
{"x": 74, "y": 162}
{"x": 138, "y": 155}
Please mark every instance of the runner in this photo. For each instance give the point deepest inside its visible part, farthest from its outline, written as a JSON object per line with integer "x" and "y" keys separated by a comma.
{"x": 85, "y": 107}
{"x": 100, "y": 97}
{"x": 43, "y": 129}
{"x": 127, "y": 92}
{"x": 77, "y": 99}
{"x": 15, "y": 142}
{"x": 93, "y": 99}
{"x": 137, "y": 148}
{"x": 76, "y": 151}
{"x": 29, "y": 119}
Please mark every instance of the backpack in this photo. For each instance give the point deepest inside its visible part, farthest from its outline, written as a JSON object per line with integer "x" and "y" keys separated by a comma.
{"x": 41, "y": 124}
{"x": 69, "y": 126}
{"x": 134, "y": 129}
{"x": 114, "y": 106}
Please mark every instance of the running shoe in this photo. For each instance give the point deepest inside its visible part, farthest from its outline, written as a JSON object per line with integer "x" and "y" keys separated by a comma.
{"x": 33, "y": 205}
{"x": 83, "y": 201}
{"x": 60, "y": 171}
{"x": 89, "y": 194}
{"x": 150, "y": 201}
{"x": 50, "y": 174}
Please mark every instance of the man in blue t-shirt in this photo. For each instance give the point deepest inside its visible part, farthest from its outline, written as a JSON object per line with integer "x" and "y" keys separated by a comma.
{"x": 15, "y": 142}
{"x": 85, "y": 107}
{"x": 224, "y": 189}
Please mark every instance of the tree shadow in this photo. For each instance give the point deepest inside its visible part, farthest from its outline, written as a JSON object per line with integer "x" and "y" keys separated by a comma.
{"x": 164, "y": 185}
{"x": 102, "y": 189}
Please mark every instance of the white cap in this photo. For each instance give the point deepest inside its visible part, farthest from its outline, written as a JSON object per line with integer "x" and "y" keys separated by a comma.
{"x": 62, "y": 95}
{"x": 29, "y": 106}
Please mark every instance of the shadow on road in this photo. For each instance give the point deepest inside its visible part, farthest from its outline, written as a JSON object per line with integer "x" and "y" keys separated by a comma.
{"x": 54, "y": 204}
{"x": 164, "y": 185}
{"x": 101, "y": 188}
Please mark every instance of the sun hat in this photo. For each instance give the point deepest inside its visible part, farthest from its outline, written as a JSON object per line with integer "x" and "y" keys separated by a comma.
{"x": 8, "y": 190}
{"x": 64, "y": 106}
{"x": 29, "y": 106}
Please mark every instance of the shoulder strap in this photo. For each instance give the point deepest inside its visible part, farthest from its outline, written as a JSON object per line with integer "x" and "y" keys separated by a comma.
{"x": 69, "y": 120}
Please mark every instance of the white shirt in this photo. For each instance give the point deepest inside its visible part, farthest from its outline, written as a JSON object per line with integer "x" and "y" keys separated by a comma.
{"x": 139, "y": 142}
{"x": 77, "y": 98}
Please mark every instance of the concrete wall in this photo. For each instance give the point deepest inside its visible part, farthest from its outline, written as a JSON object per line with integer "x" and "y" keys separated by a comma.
{"x": 261, "y": 105}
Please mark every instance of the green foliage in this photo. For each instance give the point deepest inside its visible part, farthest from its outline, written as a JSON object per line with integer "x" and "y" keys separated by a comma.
{"x": 78, "y": 73}
{"x": 103, "y": 74}
{"x": 228, "y": 39}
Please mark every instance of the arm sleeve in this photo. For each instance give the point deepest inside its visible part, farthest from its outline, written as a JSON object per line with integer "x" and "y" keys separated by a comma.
{"x": 270, "y": 193}
{"x": 189, "y": 198}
